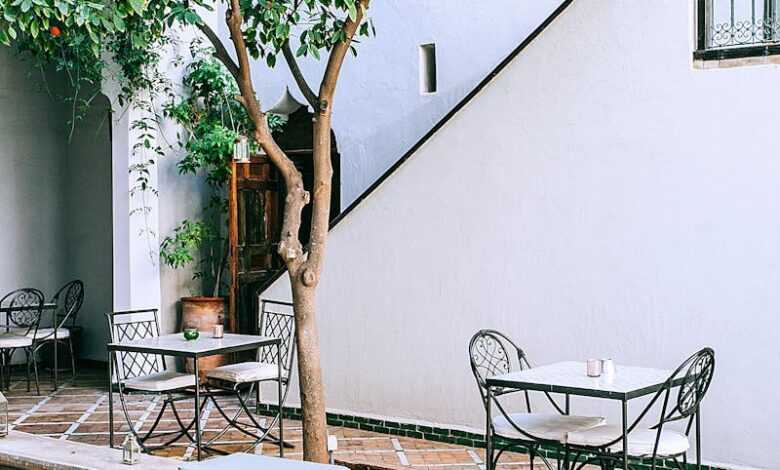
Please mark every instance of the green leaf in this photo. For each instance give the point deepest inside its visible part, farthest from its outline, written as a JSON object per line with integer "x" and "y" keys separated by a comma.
{"x": 138, "y": 6}
{"x": 352, "y": 10}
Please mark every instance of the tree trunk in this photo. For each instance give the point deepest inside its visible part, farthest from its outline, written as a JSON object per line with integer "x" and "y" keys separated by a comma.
{"x": 303, "y": 267}
{"x": 312, "y": 393}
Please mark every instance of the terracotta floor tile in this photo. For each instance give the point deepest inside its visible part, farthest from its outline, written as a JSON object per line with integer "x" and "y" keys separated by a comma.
{"x": 75, "y": 399}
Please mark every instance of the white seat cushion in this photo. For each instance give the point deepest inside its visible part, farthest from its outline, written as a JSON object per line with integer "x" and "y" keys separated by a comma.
{"x": 549, "y": 426}
{"x": 48, "y": 333}
{"x": 640, "y": 441}
{"x": 12, "y": 340}
{"x": 161, "y": 381}
{"x": 245, "y": 372}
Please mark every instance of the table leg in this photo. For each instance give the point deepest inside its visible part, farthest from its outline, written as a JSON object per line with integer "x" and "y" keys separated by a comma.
{"x": 197, "y": 409}
{"x": 698, "y": 440}
{"x": 625, "y": 435}
{"x": 110, "y": 401}
{"x": 488, "y": 437}
{"x": 279, "y": 395}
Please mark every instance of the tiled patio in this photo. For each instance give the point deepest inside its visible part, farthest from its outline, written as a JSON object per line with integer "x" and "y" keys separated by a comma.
{"x": 78, "y": 411}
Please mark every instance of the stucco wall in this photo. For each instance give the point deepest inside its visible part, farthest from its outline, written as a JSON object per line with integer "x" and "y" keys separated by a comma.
{"x": 379, "y": 112}
{"x": 32, "y": 163}
{"x": 87, "y": 193}
{"x": 601, "y": 198}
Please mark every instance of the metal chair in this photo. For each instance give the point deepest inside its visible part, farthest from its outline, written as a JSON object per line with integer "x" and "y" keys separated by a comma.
{"x": 69, "y": 300}
{"x": 489, "y": 356}
{"x": 24, "y": 313}
{"x": 143, "y": 373}
{"x": 277, "y": 319}
{"x": 604, "y": 444}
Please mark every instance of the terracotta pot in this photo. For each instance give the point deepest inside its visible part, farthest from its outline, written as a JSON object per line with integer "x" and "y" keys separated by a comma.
{"x": 207, "y": 311}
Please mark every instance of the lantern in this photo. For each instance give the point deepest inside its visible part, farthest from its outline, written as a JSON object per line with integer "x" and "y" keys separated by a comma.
{"x": 130, "y": 450}
{"x": 3, "y": 416}
{"x": 241, "y": 149}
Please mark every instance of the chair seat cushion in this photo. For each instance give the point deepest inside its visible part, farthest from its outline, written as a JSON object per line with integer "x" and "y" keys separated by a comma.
{"x": 547, "y": 426}
{"x": 640, "y": 441}
{"x": 13, "y": 340}
{"x": 245, "y": 372}
{"x": 48, "y": 333}
{"x": 161, "y": 382}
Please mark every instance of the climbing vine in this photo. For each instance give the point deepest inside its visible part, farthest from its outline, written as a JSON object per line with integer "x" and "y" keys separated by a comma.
{"x": 211, "y": 120}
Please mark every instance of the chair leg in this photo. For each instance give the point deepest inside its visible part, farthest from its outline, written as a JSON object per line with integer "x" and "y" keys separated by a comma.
{"x": 27, "y": 357}
{"x": 72, "y": 357}
{"x": 35, "y": 369}
{"x": 2, "y": 370}
{"x": 8, "y": 362}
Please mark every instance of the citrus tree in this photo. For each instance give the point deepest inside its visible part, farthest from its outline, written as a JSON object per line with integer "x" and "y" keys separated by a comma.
{"x": 75, "y": 35}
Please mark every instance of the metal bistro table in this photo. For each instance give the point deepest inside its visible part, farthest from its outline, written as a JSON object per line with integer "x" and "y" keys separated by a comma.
{"x": 570, "y": 378}
{"x": 175, "y": 345}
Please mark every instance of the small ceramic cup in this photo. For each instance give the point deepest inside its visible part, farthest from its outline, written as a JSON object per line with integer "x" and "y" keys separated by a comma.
{"x": 594, "y": 367}
{"x": 608, "y": 367}
{"x": 219, "y": 331}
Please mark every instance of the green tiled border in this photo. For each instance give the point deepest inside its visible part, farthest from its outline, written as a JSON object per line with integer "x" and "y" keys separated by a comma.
{"x": 449, "y": 436}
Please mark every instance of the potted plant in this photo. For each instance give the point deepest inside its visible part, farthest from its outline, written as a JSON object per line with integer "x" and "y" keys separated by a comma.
{"x": 212, "y": 121}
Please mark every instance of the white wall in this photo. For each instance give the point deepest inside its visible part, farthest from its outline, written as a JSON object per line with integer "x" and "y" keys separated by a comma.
{"x": 379, "y": 112}
{"x": 140, "y": 280}
{"x": 601, "y": 198}
{"x": 87, "y": 193}
{"x": 32, "y": 163}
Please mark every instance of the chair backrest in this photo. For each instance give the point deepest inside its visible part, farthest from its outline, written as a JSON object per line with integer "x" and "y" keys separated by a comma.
{"x": 69, "y": 300}
{"x": 24, "y": 309}
{"x": 492, "y": 353}
{"x": 130, "y": 325}
{"x": 277, "y": 319}
{"x": 692, "y": 380}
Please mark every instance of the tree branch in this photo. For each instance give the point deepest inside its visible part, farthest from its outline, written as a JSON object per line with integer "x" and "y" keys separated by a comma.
{"x": 290, "y": 248}
{"x": 292, "y": 63}
{"x": 323, "y": 167}
{"x": 222, "y": 54}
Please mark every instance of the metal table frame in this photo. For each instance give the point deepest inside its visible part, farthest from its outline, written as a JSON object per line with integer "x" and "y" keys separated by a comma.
{"x": 505, "y": 381}
{"x": 147, "y": 346}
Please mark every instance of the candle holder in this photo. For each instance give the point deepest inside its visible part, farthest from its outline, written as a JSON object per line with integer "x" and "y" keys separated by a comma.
{"x": 3, "y": 416}
{"x": 241, "y": 149}
{"x": 593, "y": 367}
{"x": 131, "y": 449}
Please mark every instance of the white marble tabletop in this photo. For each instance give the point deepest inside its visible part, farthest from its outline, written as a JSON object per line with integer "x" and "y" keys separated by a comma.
{"x": 571, "y": 377}
{"x": 175, "y": 345}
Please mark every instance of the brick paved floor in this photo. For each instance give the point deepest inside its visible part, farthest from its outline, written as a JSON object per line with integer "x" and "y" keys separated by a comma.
{"x": 78, "y": 411}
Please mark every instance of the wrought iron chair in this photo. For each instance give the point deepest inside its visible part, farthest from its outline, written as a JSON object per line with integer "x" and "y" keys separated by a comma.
{"x": 241, "y": 380}
{"x": 22, "y": 320}
{"x": 488, "y": 352}
{"x": 604, "y": 444}
{"x": 69, "y": 300}
{"x": 143, "y": 373}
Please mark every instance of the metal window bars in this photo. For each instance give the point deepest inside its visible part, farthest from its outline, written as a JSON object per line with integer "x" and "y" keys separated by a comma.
{"x": 737, "y": 28}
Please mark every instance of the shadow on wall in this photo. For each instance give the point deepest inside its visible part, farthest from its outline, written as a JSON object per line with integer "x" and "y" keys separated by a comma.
{"x": 88, "y": 223}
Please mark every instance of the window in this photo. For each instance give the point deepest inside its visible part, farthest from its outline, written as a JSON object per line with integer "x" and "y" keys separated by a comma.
{"x": 428, "y": 68}
{"x": 732, "y": 29}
